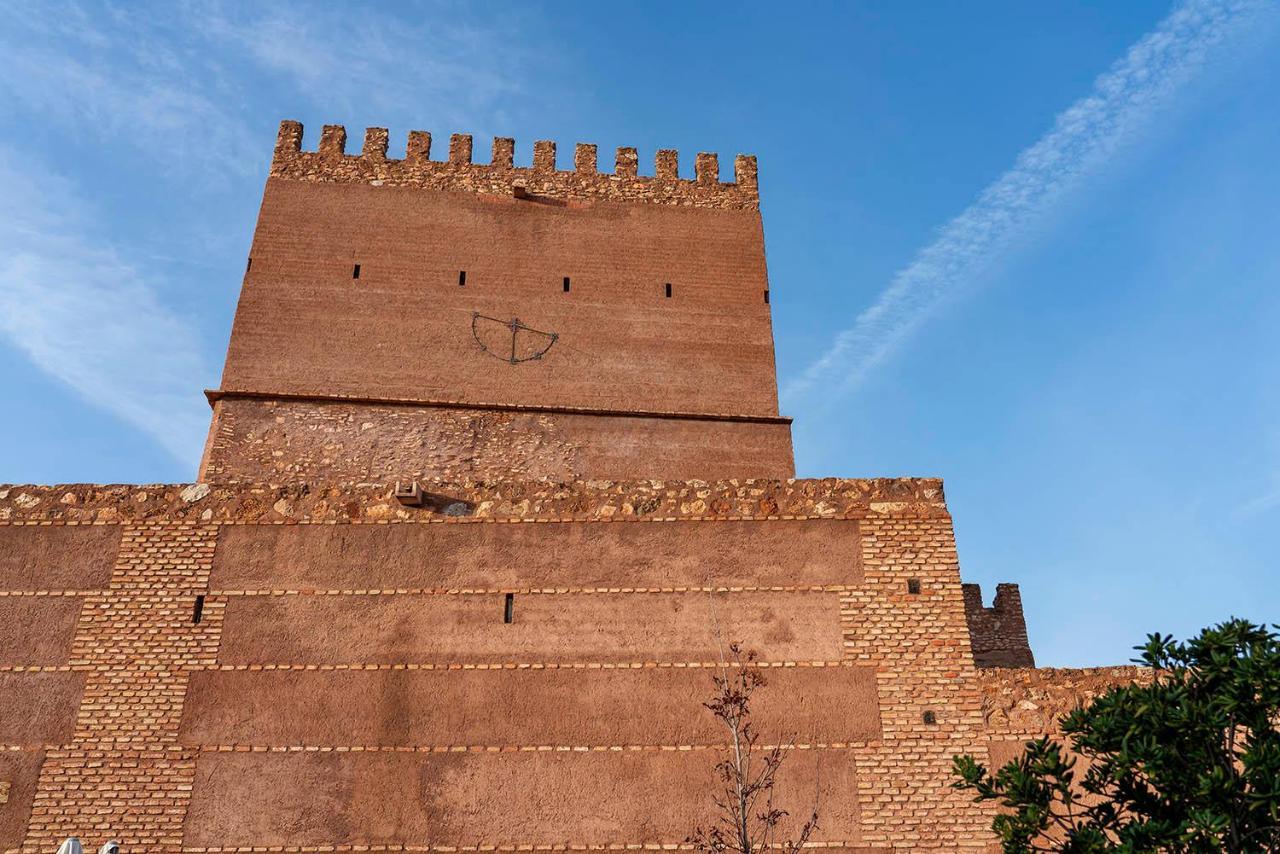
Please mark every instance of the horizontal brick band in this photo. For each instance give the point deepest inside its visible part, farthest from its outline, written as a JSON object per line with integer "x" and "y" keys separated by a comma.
{"x": 531, "y": 591}
{"x": 214, "y": 395}
{"x": 528, "y": 846}
{"x": 510, "y": 665}
{"x": 38, "y": 593}
{"x": 507, "y": 748}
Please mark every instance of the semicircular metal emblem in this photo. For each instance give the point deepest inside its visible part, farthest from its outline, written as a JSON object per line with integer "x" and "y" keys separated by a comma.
{"x": 510, "y": 340}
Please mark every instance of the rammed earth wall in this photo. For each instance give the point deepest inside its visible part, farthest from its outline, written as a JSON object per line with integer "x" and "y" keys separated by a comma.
{"x": 493, "y": 321}
{"x": 339, "y": 688}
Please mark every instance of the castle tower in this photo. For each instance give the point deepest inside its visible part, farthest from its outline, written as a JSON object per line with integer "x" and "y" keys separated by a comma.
{"x": 573, "y": 374}
{"x": 443, "y": 318}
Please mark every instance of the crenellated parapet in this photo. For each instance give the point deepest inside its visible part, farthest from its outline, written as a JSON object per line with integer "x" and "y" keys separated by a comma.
{"x": 998, "y": 633}
{"x": 500, "y": 176}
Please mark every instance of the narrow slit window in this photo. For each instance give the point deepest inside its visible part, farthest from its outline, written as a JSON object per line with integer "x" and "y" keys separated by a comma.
{"x": 913, "y": 586}
{"x": 566, "y": 284}
{"x": 766, "y": 297}
{"x": 249, "y": 265}
{"x": 462, "y": 278}
{"x": 197, "y": 612}
{"x": 509, "y": 608}
{"x": 355, "y": 271}
{"x": 668, "y": 286}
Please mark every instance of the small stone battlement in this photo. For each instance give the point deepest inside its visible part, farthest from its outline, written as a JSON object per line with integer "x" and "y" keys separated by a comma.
{"x": 541, "y": 182}
{"x": 998, "y": 633}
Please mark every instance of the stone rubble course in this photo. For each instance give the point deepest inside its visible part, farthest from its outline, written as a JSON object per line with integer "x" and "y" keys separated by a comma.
{"x": 501, "y": 501}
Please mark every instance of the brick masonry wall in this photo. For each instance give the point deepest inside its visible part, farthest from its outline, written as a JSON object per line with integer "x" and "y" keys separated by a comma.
{"x": 407, "y": 328}
{"x": 219, "y": 736}
{"x": 122, "y": 775}
{"x": 999, "y": 633}
{"x": 296, "y": 440}
{"x": 919, "y": 645}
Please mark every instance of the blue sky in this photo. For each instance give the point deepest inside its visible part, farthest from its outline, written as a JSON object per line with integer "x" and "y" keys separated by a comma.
{"x": 1030, "y": 248}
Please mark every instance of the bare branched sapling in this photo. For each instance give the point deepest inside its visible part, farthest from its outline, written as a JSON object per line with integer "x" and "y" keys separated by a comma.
{"x": 747, "y": 820}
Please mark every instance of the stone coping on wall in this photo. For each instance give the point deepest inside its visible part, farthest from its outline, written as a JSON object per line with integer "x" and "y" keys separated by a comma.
{"x": 214, "y": 395}
{"x": 543, "y": 182}
{"x": 514, "y": 501}
{"x": 1027, "y": 702}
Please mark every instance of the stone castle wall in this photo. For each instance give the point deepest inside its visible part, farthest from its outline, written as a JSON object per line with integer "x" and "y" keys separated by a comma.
{"x": 403, "y": 327}
{"x": 326, "y": 440}
{"x": 1024, "y": 703}
{"x": 239, "y": 667}
{"x": 226, "y": 668}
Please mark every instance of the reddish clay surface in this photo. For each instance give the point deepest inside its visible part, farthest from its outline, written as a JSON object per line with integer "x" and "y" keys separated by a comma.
{"x": 38, "y": 708}
{"x": 403, "y": 329}
{"x": 20, "y": 769}
{"x": 299, "y": 440}
{"x": 486, "y": 799}
{"x": 1000, "y": 751}
{"x": 558, "y": 555}
{"x": 546, "y": 628}
{"x": 62, "y": 558}
{"x": 661, "y": 706}
{"x": 37, "y": 630}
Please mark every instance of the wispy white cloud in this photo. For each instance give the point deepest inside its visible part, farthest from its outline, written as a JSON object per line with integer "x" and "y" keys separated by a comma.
{"x": 1083, "y": 137}
{"x": 111, "y": 74}
{"x": 180, "y": 78}
{"x": 86, "y": 316}
{"x": 188, "y": 93}
{"x": 1260, "y": 504}
{"x": 434, "y": 61}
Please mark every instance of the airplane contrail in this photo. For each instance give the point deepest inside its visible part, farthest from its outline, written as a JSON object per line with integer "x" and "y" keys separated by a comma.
{"x": 1122, "y": 99}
